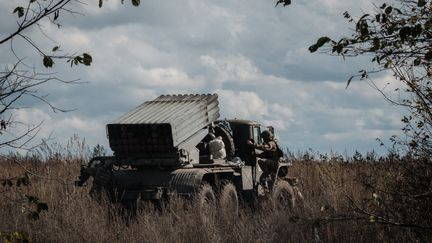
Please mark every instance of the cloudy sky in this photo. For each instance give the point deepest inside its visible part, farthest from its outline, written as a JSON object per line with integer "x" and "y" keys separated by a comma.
{"x": 253, "y": 55}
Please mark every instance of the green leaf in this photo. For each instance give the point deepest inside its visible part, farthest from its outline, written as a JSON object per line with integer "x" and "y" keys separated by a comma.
{"x": 421, "y": 3}
{"x": 428, "y": 55}
{"x": 364, "y": 16}
{"x": 364, "y": 74}
{"x": 337, "y": 48}
{"x": 378, "y": 17}
{"x": 428, "y": 24}
{"x": 320, "y": 42}
{"x": 136, "y": 3}
{"x": 384, "y": 18}
{"x": 372, "y": 219}
{"x": 346, "y": 15}
{"x": 283, "y": 2}
{"x": 48, "y": 61}
{"x": 349, "y": 81}
{"x": 388, "y": 10}
{"x": 376, "y": 44}
{"x": 404, "y": 33}
{"x": 87, "y": 59}
{"x": 416, "y": 30}
{"x": 20, "y": 11}
{"x": 413, "y": 143}
{"x": 56, "y": 15}
{"x": 363, "y": 28}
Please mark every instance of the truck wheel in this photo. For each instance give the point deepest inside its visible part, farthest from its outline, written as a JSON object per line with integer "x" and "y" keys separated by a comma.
{"x": 228, "y": 201}
{"x": 101, "y": 184}
{"x": 206, "y": 202}
{"x": 283, "y": 196}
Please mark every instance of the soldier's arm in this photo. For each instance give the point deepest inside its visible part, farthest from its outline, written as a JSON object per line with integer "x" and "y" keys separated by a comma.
{"x": 265, "y": 147}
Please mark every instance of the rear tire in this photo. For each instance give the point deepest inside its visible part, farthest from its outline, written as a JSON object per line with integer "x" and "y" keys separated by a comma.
{"x": 206, "y": 203}
{"x": 228, "y": 201}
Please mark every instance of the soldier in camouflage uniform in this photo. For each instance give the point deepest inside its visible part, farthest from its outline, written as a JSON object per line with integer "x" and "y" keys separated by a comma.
{"x": 269, "y": 158}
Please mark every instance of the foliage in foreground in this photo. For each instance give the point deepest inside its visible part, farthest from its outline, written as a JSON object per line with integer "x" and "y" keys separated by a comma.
{"x": 364, "y": 199}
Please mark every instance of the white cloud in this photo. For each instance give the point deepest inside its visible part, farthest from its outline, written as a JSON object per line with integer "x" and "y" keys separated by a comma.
{"x": 61, "y": 127}
{"x": 70, "y": 38}
{"x": 367, "y": 135}
{"x": 279, "y": 125}
{"x": 81, "y": 125}
{"x": 284, "y": 110}
{"x": 249, "y": 105}
{"x": 163, "y": 77}
{"x": 241, "y": 105}
{"x": 232, "y": 68}
{"x": 29, "y": 118}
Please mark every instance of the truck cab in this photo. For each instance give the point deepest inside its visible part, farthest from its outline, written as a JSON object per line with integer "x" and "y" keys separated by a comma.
{"x": 242, "y": 131}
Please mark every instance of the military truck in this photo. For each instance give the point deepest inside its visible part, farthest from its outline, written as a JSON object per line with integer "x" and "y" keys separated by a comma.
{"x": 175, "y": 145}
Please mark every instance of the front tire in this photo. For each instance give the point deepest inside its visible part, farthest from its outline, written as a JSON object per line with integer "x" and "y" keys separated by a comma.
{"x": 102, "y": 184}
{"x": 283, "y": 196}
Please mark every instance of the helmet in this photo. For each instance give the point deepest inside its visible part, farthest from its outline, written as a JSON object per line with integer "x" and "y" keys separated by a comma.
{"x": 266, "y": 135}
{"x": 211, "y": 136}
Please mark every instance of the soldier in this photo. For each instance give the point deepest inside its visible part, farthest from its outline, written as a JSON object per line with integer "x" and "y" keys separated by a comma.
{"x": 269, "y": 158}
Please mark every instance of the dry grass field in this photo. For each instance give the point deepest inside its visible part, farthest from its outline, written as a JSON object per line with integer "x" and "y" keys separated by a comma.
{"x": 344, "y": 201}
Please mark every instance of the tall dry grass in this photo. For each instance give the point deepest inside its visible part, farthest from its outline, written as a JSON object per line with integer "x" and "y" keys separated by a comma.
{"x": 331, "y": 188}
